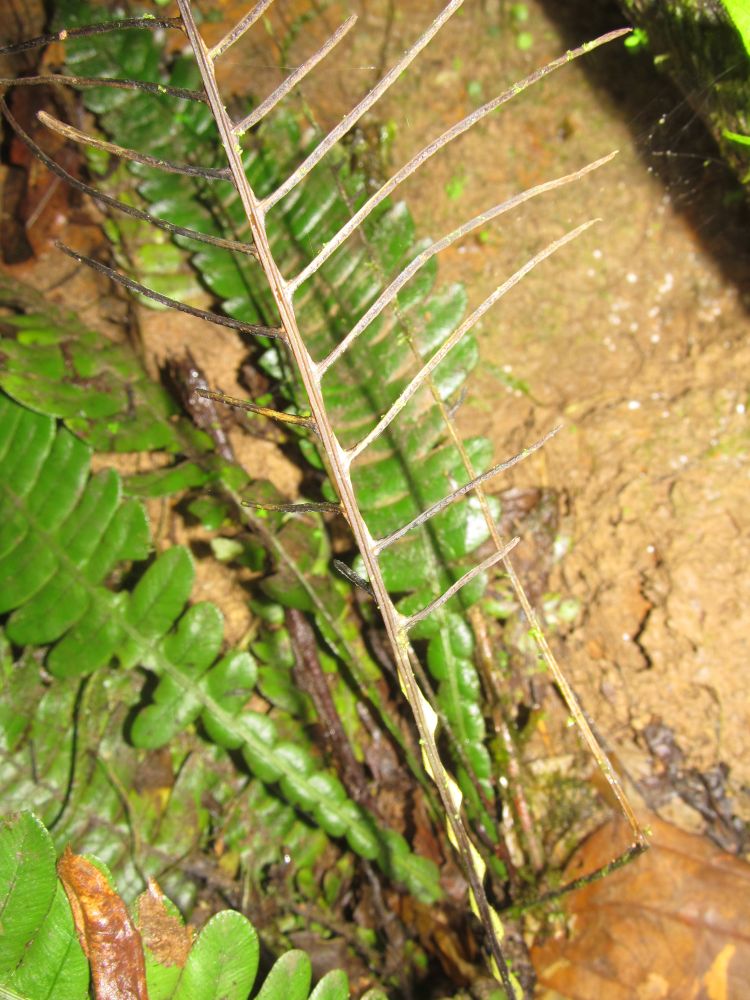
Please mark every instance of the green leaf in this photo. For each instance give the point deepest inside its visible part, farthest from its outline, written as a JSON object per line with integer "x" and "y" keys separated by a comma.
{"x": 333, "y": 986}
{"x": 157, "y": 600}
{"x": 223, "y": 962}
{"x": 27, "y": 886}
{"x": 289, "y": 979}
{"x": 92, "y": 641}
{"x": 53, "y": 964}
{"x": 193, "y": 647}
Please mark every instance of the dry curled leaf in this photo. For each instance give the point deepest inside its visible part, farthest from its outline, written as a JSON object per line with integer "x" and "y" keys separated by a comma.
{"x": 673, "y": 924}
{"x": 163, "y": 932}
{"x": 108, "y": 936}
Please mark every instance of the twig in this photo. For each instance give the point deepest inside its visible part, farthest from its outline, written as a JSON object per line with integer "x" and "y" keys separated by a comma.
{"x": 517, "y": 796}
{"x": 123, "y": 24}
{"x": 312, "y": 679}
{"x": 136, "y": 286}
{"x": 75, "y": 135}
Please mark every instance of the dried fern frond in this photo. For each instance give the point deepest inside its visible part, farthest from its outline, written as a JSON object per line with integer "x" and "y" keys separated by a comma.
{"x": 345, "y": 460}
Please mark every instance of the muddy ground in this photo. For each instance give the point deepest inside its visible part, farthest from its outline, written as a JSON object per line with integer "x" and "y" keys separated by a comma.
{"x": 634, "y": 337}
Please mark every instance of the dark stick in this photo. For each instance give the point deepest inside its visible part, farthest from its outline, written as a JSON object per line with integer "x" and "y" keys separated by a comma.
{"x": 352, "y": 577}
{"x": 136, "y": 286}
{"x": 313, "y": 680}
{"x": 188, "y": 379}
{"x": 56, "y": 79}
{"x": 295, "y": 508}
{"x": 75, "y": 135}
{"x": 263, "y": 411}
{"x": 127, "y": 23}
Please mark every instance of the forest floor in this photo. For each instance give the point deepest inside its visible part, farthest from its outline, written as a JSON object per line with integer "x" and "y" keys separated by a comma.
{"x": 633, "y": 337}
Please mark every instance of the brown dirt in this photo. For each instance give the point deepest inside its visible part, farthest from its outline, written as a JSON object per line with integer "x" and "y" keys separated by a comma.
{"x": 633, "y": 337}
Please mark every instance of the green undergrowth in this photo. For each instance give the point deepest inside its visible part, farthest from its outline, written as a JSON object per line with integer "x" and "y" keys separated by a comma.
{"x": 64, "y": 533}
{"x": 415, "y": 463}
{"x": 127, "y": 724}
{"x": 82, "y": 590}
{"x": 41, "y": 955}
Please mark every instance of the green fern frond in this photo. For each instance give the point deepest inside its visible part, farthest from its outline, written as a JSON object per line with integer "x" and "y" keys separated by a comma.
{"x": 63, "y": 532}
{"x": 388, "y": 491}
{"x": 41, "y": 956}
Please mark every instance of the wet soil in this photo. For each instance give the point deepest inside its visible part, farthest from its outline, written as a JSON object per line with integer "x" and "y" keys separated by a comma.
{"x": 634, "y": 337}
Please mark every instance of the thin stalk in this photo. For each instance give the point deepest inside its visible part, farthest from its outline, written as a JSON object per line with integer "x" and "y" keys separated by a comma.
{"x": 263, "y": 411}
{"x": 136, "y": 286}
{"x": 295, "y": 508}
{"x": 123, "y": 24}
{"x": 457, "y": 334}
{"x": 435, "y": 509}
{"x": 75, "y": 135}
{"x": 490, "y": 561}
{"x": 235, "y": 33}
{"x": 58, "y": 80}
{"x": 294, "y": 78}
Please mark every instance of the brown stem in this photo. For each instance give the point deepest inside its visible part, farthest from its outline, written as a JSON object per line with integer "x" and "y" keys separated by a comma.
{"x": 486, "y": 664}
{"x": 311, "y": 678}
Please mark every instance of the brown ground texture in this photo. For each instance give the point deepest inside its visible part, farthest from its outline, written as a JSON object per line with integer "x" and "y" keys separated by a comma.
{"x": 633, "y": 337}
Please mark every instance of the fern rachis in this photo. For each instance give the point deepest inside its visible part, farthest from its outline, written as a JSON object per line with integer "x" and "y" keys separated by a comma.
{"x": 342, "y": 461}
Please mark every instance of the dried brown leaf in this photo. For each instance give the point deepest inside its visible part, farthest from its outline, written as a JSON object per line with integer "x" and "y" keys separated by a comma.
{"x": 163, "y": 933}
{"x": 673, "y": 924}
{"x": 108, "y": 936}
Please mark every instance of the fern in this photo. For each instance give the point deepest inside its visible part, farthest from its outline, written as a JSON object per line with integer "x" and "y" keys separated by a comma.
{"x": 389, "y": 494}
{"x": 56, "y": 547}
{"x": 142, "y": 414}
{"x": 41, "y": 952}
{"x": 353, "y": 443}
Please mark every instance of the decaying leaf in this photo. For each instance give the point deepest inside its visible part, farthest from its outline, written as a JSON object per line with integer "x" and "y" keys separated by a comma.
{"x": 672, "y": 924}
{"x": 107, "y": 934}
{"x": 163, "y": 932}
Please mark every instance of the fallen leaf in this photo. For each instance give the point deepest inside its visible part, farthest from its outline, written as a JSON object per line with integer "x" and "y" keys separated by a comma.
{"x": 675, "y": 923}
{"x": 108, "y": 936}
{"x": 163, "y": 932}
